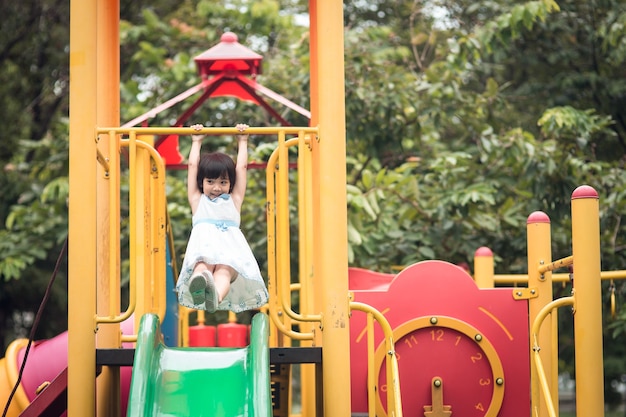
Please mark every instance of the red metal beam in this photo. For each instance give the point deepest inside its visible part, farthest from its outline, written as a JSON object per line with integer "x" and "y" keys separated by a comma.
{"x": 52, "y": 401}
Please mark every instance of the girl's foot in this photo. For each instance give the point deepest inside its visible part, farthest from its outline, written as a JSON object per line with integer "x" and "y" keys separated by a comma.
{"x": 210, "y": 292}
{"x": 197, "y": 286}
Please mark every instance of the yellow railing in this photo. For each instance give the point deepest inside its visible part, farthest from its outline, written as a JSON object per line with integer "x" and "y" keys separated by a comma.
{"x": 147, "y": 224}
{"x": 279, "y": 269}
{"x": 394, "y": 400}
{"x": 278, "y": 235}
{"x": 534, "y": 337}
{"x": 585, "y": 301}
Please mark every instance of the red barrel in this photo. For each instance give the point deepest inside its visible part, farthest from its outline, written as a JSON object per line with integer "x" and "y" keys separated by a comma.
{"x": 201, "y": 336}
{"x": 232, "y": 335}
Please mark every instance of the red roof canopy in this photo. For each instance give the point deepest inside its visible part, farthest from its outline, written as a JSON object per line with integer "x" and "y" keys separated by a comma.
{"x": 227, "y": 69}
{"x": 228, "y": 55}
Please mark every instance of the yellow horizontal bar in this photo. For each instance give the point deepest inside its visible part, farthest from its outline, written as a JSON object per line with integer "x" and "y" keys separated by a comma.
{"x": 292, "y": 130}
{"x": 523, "y": 278}
{"x": 560, "y": 263}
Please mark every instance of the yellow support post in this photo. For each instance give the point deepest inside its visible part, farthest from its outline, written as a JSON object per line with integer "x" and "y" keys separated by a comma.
{"x": 312, "y": 397}
{"x": 587, "y": 302}
{"x": 307, "y": 302}
{"x": 81, "y": 377}
{"x": 315, "y": 190}
{"x": 144, "y": 273}
{"x": 140, "y": 218}
{"x": 329, "y": 165}
{"x": 540, "y": 253}
{"x": 483, "y": 268}
{"x": 108, "y": 272}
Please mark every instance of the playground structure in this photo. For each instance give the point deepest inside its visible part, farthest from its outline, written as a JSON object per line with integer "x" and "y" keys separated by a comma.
{"x": 468, "y": 344}
{"x": 349, "y": 365}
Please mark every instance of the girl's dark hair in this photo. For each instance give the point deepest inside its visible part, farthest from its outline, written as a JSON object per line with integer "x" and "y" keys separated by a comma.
{"x": 216, "y": 165}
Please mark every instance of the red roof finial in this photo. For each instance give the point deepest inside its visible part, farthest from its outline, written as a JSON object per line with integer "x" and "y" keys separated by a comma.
{"x": 229, "y": 37}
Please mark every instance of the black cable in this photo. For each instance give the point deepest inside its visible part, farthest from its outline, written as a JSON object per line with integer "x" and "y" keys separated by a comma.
{"x": 46, "y": 296}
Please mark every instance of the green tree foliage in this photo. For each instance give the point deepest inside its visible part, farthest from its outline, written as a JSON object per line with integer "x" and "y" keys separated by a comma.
{"x": 34, "y": 78}
{"x": 32, "y": 239}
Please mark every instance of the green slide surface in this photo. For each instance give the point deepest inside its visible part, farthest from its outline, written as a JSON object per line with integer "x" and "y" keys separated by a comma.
{"x": 198, "y": 382}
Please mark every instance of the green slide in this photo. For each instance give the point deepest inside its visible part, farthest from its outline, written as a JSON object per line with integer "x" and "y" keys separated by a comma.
{"x": 197, "y": 382}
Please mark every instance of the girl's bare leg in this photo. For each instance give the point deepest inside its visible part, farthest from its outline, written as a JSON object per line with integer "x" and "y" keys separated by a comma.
{"x": 201, "y": 266}
{"x": 223, "y": 276}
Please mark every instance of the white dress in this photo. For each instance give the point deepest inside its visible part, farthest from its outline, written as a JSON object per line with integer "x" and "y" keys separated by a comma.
{"x": 217, "y": 240}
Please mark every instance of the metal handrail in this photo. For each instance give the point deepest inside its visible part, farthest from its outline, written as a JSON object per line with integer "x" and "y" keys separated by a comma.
{"x": 559, "y": 263}
{"x": 541, "y": 316}
{"x": 394, "y": 400}
{"x": 278, "y": 219}
{"x": 154, "y": 247}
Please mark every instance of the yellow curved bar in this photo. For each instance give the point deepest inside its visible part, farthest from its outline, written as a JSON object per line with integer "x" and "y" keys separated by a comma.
{"x": 114, "y": 248}
{"x": 275, "y": 311}
{"x": 158, "y": 243}
{"x": 543, "y": 381}
{"x": 280, "y": 309}
{"x": 394, "y": 398}
{"x": 541, "y": 316}
{"x": 282, "y": 242}
{"x": 282, "y": 239}
{"x": 13, "y": 371}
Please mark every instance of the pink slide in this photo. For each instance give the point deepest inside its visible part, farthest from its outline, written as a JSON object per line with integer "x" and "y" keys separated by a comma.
{"x": 46, "y": 360}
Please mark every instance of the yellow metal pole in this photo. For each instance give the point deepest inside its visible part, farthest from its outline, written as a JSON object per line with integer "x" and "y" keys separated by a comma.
{"x": 307, "y": 371}
{"x": 312, "y": 404}
{"x": 483, "y": 268}
{"x": 108, "y": 274}
{"x": 330, "y": 176}
{"x": 314, "y": 64}
{"x": 81, "y": 378}
{"x": 315, "y": 160}
{"x": 158, "y": 234}
{"x": 540, "y": 253}
{"x": 272, "y": 268}
{"x": 587, "y": 304}
{"x": 283, "y": 246}
{"x": 140, "y": 227}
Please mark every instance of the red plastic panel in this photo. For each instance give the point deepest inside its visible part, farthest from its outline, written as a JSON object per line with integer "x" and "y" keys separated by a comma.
{"x": 466, "y": 368}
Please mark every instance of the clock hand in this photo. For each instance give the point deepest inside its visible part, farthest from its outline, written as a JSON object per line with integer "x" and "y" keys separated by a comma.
{"x": 437, "y": 409}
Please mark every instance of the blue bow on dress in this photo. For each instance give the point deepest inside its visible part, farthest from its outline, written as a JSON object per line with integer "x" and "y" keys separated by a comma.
{"x": 222, "y": 225}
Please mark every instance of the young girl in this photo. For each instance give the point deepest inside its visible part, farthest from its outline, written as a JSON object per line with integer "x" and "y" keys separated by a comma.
{"x": 219, "y": 271}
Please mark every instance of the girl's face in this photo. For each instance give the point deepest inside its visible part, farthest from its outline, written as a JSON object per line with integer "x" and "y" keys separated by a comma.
{"x": 214, "y": 187}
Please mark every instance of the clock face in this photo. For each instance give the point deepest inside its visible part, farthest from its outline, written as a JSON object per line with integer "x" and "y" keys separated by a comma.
{"x": 447, "y": 368}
